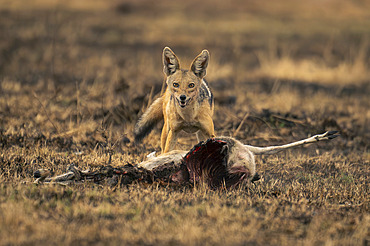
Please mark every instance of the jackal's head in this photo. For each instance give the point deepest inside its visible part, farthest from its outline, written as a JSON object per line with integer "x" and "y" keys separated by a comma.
{"x": 184, "y": 84}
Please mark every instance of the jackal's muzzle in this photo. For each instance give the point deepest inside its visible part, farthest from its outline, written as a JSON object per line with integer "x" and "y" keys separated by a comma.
{"x": 183, "y": 100}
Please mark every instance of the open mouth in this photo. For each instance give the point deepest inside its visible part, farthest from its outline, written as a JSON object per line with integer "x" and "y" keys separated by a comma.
{"x": 183, "y": 103}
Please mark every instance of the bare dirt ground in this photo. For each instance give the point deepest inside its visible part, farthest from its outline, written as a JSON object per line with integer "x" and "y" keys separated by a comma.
{"x": 75, "y": 76}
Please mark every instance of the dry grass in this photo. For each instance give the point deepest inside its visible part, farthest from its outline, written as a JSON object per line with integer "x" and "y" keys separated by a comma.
{"x": 353, "y": 69}
{"x": 75, "y": 75}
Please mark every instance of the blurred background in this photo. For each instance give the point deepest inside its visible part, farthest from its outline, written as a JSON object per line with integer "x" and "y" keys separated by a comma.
{"x": 278, "y": 69}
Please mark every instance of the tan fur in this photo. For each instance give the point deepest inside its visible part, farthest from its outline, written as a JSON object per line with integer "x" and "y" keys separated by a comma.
{"x": 186, "y": 105}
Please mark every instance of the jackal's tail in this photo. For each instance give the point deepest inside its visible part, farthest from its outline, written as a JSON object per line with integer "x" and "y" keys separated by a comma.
{"x": 149, "y": 119}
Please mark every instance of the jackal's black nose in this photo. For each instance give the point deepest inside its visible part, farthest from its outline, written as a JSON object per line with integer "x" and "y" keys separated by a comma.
{"x": 182, "y": 97}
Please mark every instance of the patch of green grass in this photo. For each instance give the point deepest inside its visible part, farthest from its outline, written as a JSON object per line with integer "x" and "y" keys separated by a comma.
{"x": 347, "y": 178}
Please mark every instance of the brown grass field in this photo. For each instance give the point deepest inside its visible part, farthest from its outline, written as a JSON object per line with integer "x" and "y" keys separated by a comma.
{"x": 75, "y": 76}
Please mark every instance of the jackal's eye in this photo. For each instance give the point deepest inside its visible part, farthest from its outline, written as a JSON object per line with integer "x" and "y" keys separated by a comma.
{"x": 175, "y": 85}
{"x": 191, "y": 85}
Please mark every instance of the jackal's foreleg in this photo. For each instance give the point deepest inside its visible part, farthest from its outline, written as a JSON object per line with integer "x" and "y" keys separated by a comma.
{"x": 170, "y": 141}
{"x": 206, "y": 128}
{"x": 164, "y": 136}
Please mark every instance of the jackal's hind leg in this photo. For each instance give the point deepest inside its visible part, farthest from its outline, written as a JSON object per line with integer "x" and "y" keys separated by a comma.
{"x": 201, "y": 136}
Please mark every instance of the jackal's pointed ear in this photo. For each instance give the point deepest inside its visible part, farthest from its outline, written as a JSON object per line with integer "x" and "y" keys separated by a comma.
{"x": 170, "y": 61}
{"x": 200, "y": 64}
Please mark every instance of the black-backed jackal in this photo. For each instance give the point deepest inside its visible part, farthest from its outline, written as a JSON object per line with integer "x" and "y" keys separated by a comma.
{"x": 186, "y": 105}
